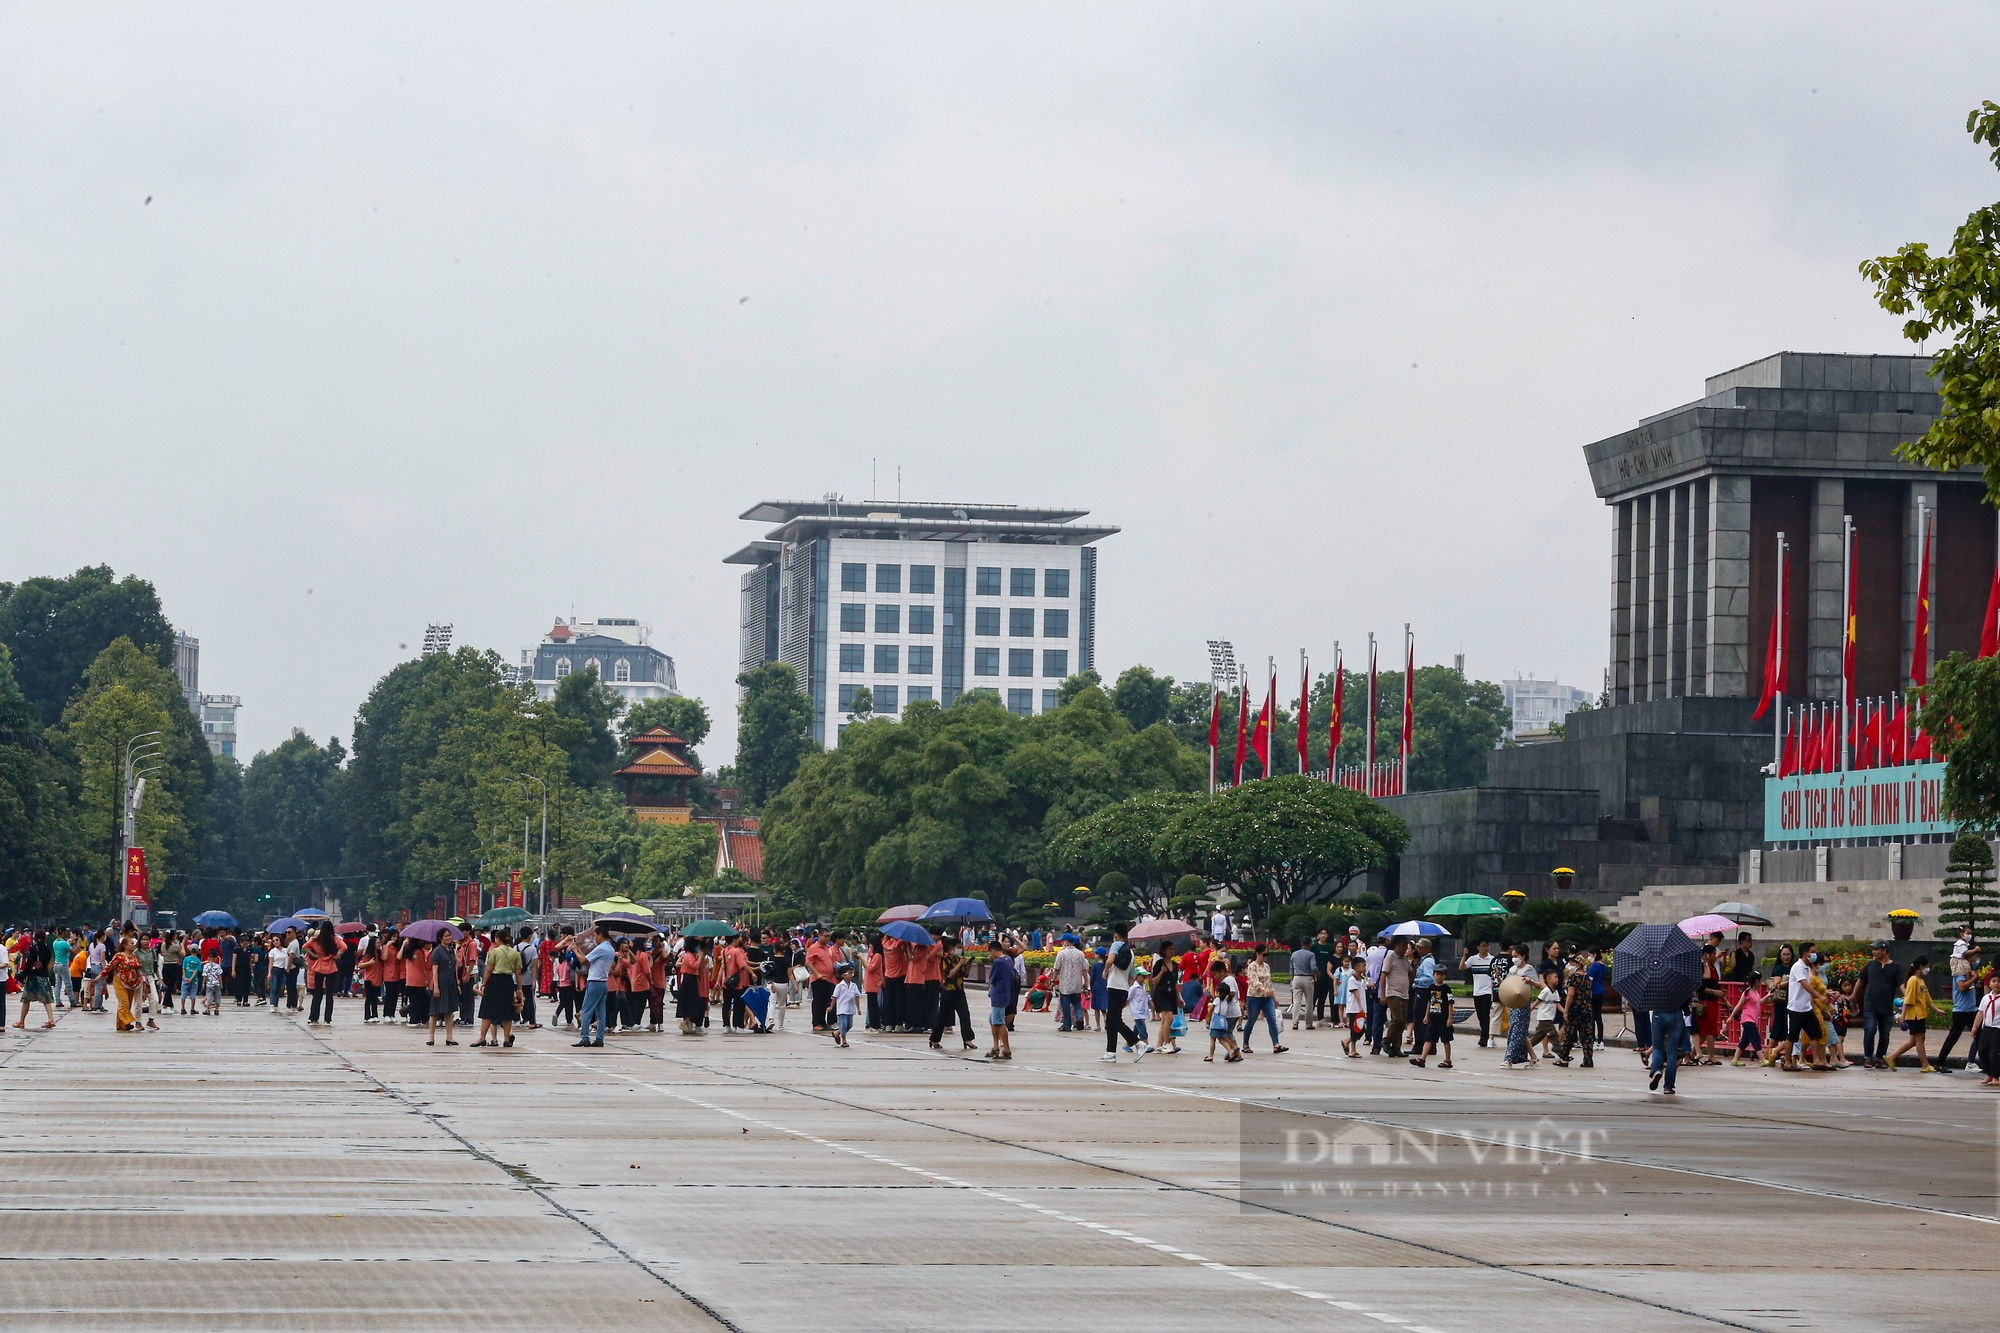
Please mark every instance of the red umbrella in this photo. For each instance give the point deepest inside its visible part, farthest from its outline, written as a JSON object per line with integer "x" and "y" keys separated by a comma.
{"x": 907, "y": 912}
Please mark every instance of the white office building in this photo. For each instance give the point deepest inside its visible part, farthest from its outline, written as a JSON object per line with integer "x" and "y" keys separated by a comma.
{"x": 218, "y": 722}
{"x": 1537, "y": 705}
{"x": 919, "y": 602}
{"x": 620, "y": 647}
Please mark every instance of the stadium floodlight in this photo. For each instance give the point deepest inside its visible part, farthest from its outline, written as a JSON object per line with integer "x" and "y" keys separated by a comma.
{"x": 1222, "y": 671}
{"x": 437, "y": 639}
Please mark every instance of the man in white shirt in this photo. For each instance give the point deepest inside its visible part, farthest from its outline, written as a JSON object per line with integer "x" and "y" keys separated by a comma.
{"x": 598, "y": 962}
{"x": 1480, "y": 965}
{"x": 1218, "y": 926}
{"x": 530, "y": 949}
{"x": 1072, "y": 970}
{"x": 1805, "y": 984}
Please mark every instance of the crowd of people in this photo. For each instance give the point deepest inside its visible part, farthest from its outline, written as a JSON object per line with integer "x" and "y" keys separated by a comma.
{"x": 1389, "y": 998}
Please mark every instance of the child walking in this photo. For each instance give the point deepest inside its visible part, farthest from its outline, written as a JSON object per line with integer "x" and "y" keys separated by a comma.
{"x": 1750, "y": 1008}
{"x": 846, "y": 1000}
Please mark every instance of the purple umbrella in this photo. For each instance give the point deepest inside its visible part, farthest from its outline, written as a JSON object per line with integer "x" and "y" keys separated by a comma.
{"x": 428, "y": 931}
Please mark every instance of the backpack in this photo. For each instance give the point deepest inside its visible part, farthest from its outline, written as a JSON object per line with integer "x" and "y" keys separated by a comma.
{"x": 1122, "y": 958}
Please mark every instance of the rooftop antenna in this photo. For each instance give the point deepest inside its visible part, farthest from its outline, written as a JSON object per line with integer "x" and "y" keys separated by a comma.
{"x": 899, "y": 483}
{"x": 873, "y": 489}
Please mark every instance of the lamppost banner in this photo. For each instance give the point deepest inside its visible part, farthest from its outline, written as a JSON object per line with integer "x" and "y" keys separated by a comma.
{"x": 136, "y": 887}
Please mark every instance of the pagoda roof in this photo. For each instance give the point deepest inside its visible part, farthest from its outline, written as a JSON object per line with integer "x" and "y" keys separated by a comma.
{"x": 655, "y": 736}
{"x": 658, "y": 763}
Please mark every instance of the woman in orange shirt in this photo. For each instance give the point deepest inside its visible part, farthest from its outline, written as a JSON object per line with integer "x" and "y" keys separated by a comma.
{"x": 689, "y": 1006}
{"x": 370, "y": 968}
{"x": 417, "y": 980}
{"x": 656, "y": 959}
{"x": 390, "y": 950}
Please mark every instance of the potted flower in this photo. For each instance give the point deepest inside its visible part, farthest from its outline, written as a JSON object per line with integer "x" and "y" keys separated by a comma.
{"x": 1902, "y": 923}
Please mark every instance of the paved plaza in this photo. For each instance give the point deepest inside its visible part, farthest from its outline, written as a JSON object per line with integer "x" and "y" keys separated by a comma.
{"x": 245, "y": 1171}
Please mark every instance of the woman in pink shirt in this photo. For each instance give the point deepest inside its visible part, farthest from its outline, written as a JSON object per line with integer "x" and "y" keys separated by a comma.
{"x": 871, "y": 983}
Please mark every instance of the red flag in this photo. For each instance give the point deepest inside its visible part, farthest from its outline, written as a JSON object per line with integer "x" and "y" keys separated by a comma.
{"x": 1305, "y": 704}
{"x": 1920, "y": 654}
{"x": 1409, "y": 711}
{"x": 1333, "y": 725}
{"x": 1829, "y": 742}
{"x": 1242, "y": 729}
{"x": 1989, "y": 629}
{"x": 1215, "y": 722}
{"x": 1260, "y": 734}
{"x": 1847, "y": 643}
{"x": 1788, "y": 759}
{"x": 1774, "y": 657}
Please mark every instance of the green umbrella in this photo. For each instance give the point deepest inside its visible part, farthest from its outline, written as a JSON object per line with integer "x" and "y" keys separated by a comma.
{"x": 1466, "y": 904}
{"x": 502, "y": 916}
{"x": 617, "y": 902}
{"x": 709, "y": 930}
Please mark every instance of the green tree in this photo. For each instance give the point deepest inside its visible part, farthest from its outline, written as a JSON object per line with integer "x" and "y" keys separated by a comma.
{"x": 1968, "y": 898}
{"x": 686, "y": 718}
{"x": 1125, "y": 838}
{"x": 1189, "y": 890}
{"x": 126, "y": 695}
{"x": 1456, "y": 722}
{"x": 46, "y": 866}
{"x": 588, "y": 707}
{"x": 958, "y": 800}
{"x": 1960, "y": 712}
{"x": 1288, "y": 839}
{"x": 1142, "y": 697}
{"x": 673, "y": 857}
{"x": 290, "y": 823}
{"x": 56, "y": 627}
{"x": 1544, "y": 918}
{"x": 1085, "y": 679}
{"x": 1955, "y": 294}
{"x": 773, "y": 731}
{"x": 1114, "y": 897}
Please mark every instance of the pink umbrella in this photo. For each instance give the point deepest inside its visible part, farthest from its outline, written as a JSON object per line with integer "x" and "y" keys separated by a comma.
{"x": 1165, "y": 928}
{"x": 1695, "y": 927}
{"x": 907, "y": 912}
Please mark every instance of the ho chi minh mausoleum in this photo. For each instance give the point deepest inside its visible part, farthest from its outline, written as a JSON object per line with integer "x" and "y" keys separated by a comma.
{"x": 1666, "y": 785}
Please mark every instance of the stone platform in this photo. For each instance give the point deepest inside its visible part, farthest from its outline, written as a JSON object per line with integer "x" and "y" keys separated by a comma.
{"x": 245, "y": 1171}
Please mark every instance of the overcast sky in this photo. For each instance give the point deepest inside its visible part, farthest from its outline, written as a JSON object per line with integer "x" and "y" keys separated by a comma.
{"x": 493, "y": 313}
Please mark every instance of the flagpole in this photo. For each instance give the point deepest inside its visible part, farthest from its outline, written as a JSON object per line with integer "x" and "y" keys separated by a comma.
{"x": 1409, "y": 710}
{"x": 1214, "y": 714}
{"x": 1847, "y": 644}
{"x": 1778, "y": 741}
{"x": 1371, "y": 713}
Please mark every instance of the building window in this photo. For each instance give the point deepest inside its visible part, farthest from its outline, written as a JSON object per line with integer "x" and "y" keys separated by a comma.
{"x": 847, "y": 693}
{"x": 1021, "y": 622}
{"x": 1021, "y": 703}
{"x": 885, "y": 698}
{"x": 1020, "y": 661}
{"x": 923, "y": 579}
{"x": 852, "y": 656}
{"x": 920, "y": 694}
{"x": 988, "y": 584}
{"x": 853, "y": 618}
{"x": 1055, "y": 663}
{"x": 854, "y": 578}
{"x": 1055, "y": 583}
{"x": 920, "y": 659}
{"x": 622, "y": 670}
{"x": 562, "y": 667}
{"x": 1055, "y": 624}
{"x": 922, "y": 619}
{"x": 888, "y": 618}
{"x": 1049, "y": 701}
{"x": 985, "y": 620}
{"x": 1021, "y": 582}
{"x": 885, "y": 658}
{"x": 985, "y": 661}
{"x": 888, "y": 578}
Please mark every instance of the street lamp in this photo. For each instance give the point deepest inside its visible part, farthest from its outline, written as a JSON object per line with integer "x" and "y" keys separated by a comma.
{"x": 542, "y": 883}
{"x": 144, "y": 756}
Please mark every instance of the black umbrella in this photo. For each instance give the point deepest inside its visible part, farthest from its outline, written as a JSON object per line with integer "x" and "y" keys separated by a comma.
{"x": 1656, "y": 967}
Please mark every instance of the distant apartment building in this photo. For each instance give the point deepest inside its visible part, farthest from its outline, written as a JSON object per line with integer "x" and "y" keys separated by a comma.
{"x": 1537, "y": 705}
{"x": 187, "y": 667}
{"x": 619, "y": 647}
{"x": 919, "y": 602}
{"x": 218, "y": 722}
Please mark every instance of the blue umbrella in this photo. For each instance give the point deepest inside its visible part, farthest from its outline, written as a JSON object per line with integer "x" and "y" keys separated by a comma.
{"x": 217, "y": 920}
{"x": 1656, "y": 967}
{"x": 285, "y": 923}
{"x": 957, "y": 911}
{"x": 908, "y": 932}
{"x": 1426, "y": 928}
{"x": 309, "y": 913}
